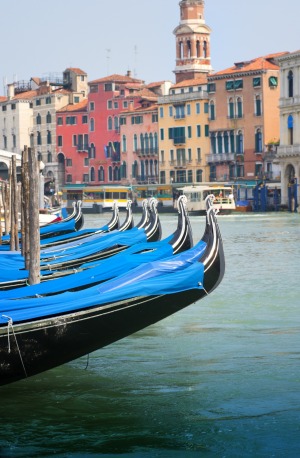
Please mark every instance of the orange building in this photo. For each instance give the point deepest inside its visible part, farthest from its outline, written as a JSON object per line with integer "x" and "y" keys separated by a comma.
{"x": 244, "y": 119}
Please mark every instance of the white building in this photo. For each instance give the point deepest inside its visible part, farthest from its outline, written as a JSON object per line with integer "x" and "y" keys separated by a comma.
{"x": 288, "y": 153}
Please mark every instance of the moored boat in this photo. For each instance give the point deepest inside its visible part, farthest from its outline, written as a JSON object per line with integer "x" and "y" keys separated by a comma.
{"x": 223, "y": 198}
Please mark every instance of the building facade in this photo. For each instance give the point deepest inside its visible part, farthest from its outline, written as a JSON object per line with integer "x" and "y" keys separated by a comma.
{"x": 184, "y": 133}
{"x": 244, "y": 120}
{"x": 288, "y": 153}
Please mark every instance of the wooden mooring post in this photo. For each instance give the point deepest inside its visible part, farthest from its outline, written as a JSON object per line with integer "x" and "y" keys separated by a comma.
{"x": 33, "y": 215}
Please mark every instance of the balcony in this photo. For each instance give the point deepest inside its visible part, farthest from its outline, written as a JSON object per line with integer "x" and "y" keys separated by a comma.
{"x": 223, "y": 157}
{"x": 182, "y": 164}
{"x": 179, "y": 140}
{"x": 82, "y": 148}
{"x": 286, "y": 151}
{"x": 146, "y": 153}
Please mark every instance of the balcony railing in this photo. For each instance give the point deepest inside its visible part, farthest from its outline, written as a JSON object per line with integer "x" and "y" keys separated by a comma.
{"x": 144, "y": 152}
{"x": 82, "y": 148}
{"x": 223, "y": 157}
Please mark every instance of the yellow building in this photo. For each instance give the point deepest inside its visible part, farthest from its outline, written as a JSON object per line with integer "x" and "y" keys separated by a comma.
{"x": 184, "y": 133}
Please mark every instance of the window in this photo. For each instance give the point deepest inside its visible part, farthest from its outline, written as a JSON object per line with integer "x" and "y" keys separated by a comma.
{"x": 205, "y": 107}
{"x": 189, "y": 154}
{"x": 190, "y": 176}
{"x": 177, "y": 134}
{"x": 161, "y": 112}
{"x": 231, "y": 108}
{"x": 3, "y": 107}
{"x": 199, "y": 174}
{"x": 233, "y": 85}
{"x": 48, "y": 118}
{"x": 211, "y": 87}
{"x": 14, "y": 140}
{"x": 290, "y": 83}
{"x": 49, "y": 137}
{"x": 273, "y": 82}
{"x": 125, "y": 104}
{"x": 188, "y": 109}
{"x": 135, "y": 143}
{"x": 76, "y": 99}
{"x": 69, "y": 178}
{"x": 101, "y": 174}
{"x": 92, "y": 151}
{"x": 92, "y": 106}
{"x": 85, "y": 178}
{"x": 84, "y": 119}
{"x": 75, "y": 140}
{"x": 179, "y": 112}
{"x": 94, "y": 88}
{"x": 39, "y": 138}
{"x": 257, "y": 106}
{"x": 116, "y": 123}
{"x": 257, "y": 81}
{"x": 206, "y": 128}
{"x": 109, "y": 123}
{"x": 69, "y": 162}
{"x": 239, "y": 143}
{"x": 171, "y": 111}
{"x": 13, "y": 106}
{"x": 155, "y": 117}
{"x": 86, "y": 162}
{"x": 92, "y": 174}
{"x": 212, "y": 111}
{"x": 124, "y": 144}
{"x": 108, "y": 87}
{"x": 198, "y": 130}
{"x": 162, "y": 134}
{"x": 59, "y": 121}
{"x": 197, "y": 108}
{"x": 59, "y": 140}
{"x": 290, "y": 125}
{"x": 116, "y": 105}
{"x": 198, "y": 154}
{"x": 71, "y": 120}
{"x": 5, "y": 141}
{"x": 39, "y": 119}
{"x": 49, "y": 156}
{"x": 38, "y": 102}
{"x": 258, "y": 141}
{"x": 92, "y": 124}
{"x": 189, "y": 131}
{"x": 239, "y": 107}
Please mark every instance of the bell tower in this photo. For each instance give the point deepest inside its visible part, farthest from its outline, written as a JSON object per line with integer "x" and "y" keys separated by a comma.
{"x": 192, "y": 42}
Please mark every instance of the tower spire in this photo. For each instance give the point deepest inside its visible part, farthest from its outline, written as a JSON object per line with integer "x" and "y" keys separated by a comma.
{"x": 192, "y": 42}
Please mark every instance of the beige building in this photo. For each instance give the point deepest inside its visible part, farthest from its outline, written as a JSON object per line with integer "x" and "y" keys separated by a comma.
{"x": 184, "y": 133}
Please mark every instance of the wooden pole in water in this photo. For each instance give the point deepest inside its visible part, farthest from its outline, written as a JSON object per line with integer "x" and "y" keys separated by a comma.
{"x": 14, "y": 238}
{"x": 25, "y": 208}
{"x": 34, "y": 227}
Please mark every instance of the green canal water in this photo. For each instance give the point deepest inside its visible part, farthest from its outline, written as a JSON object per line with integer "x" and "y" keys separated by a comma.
{"x": 218, "y": 379}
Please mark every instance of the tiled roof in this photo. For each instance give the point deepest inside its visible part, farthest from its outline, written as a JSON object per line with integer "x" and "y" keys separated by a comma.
{"x": 150, "y": 108}
{"x": 81, "y": 106}
{"x": 156, "y": 84}
{"x": 28, "y": 95}
{"x": 259, "y": 63}
{"x": 117, "y": 79}
{"x": 78, "y": 71}
{"x": 191, "y": 82}
{"x": 3, "y": 99}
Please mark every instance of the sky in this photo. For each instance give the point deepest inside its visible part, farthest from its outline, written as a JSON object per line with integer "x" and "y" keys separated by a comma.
{"x": 103, "y": 37}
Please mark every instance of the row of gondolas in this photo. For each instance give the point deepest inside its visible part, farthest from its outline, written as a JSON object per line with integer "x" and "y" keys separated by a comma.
{"x": 100, "y": 285}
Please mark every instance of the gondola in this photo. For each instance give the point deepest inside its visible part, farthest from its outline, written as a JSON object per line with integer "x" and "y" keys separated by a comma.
{"x": 42, "y": 333}
{"x": 63, "y": 262}
{"x": 98, "y": 272}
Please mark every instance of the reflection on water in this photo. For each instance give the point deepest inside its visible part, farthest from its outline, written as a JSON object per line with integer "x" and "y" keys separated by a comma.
{"x": 220, "y": 378}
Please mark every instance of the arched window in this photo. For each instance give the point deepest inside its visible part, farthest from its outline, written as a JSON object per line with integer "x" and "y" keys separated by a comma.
{"x": 231, "y": 108}
{"x": 226, "y": 142}
{"x": 92, "y": 174}
{"x": 257, "y": 105}
{"x": 116, "y": 123}
{"x": 124, "y": 144}
{"x": 142, "y": 143}
{"x": 204, "y": 49}
{"x": 190, "y": 176}
{"x": 146, "y": 143}
{"x": 180, "y": 50}
{"x": 220, "y": 143}
{"x": 188, "y": 48}
{"x": 48, "y": 118}
{"x": 92, "y": 124}
{"x": 239, "y": 142}
{"x": 291, "y": 84}
{"x": 124, "y": 170}
{"x": 39, "y": 119}
{"x": 101, "y": 174}
{"x": 49, "y": 137}
{"x": 239, "y": 107}
{"x": 110, "y": 174}
{"x": 92, "y": 151}
{"x": 151, "y": 143}
{"x": 258, "y": 141}
{"x": 135, "y": 143}
{"x": 213, "y": 144}
{"x": 49, "y": 156}
{"x": 198, "y": 48}
{"x": 116, "y": 174}
{"x": 109, "y": 123}
{"x": 155, "y": 143}
{"x": 39, "y": 138}
{"x": 134, "y": 169}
